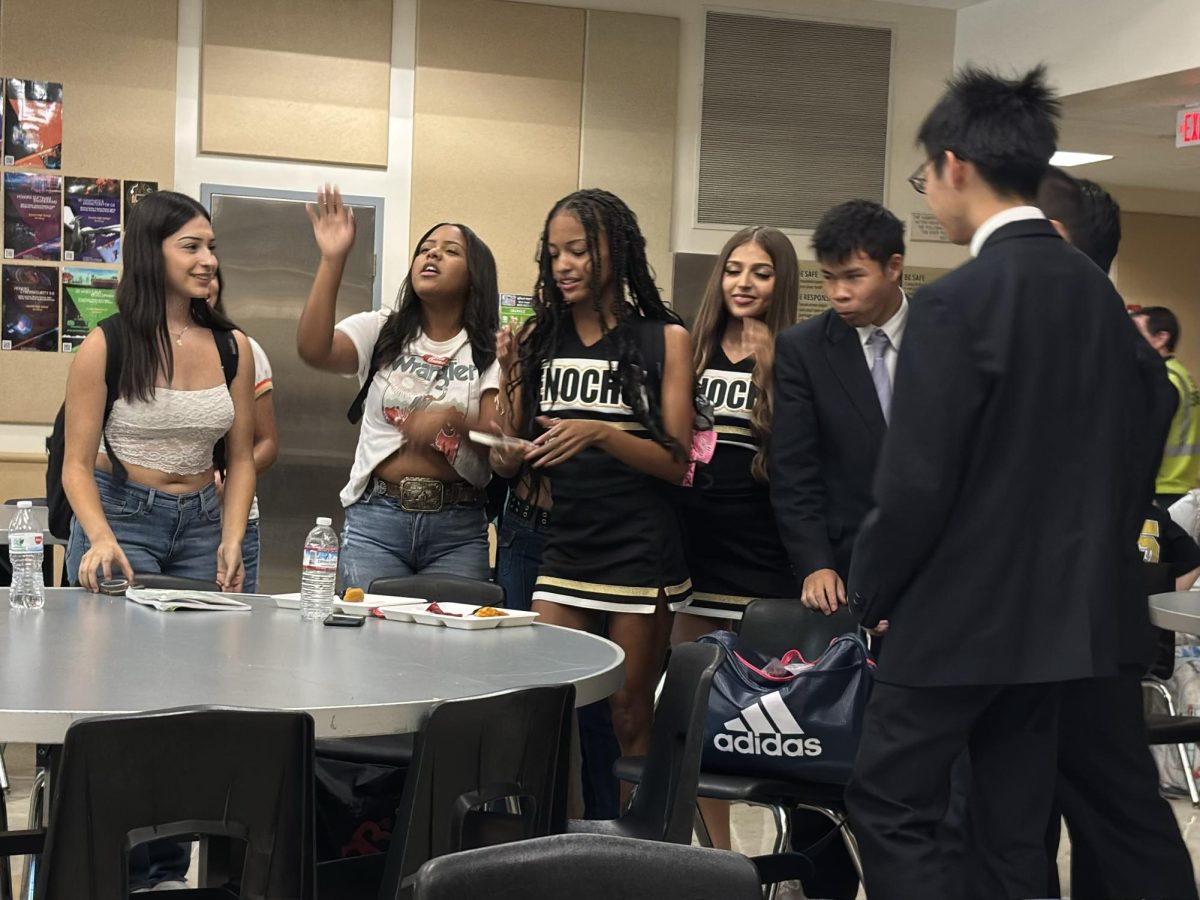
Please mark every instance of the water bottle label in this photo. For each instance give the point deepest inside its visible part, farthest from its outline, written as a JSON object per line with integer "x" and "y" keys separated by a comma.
{"x": 25, "y": 542}
{"x": 320, "y": 560}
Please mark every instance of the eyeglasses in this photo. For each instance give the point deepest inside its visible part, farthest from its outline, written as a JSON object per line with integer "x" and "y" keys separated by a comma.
{"x": 917, "y": 178}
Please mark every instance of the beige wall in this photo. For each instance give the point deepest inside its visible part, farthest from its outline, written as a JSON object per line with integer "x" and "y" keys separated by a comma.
{"x": 297, "y": 79}
{"x": 518, "y": 105}
{"x": 627, "y": 143}
{"x": 1158, "y": 266}
{"x": 116, "y": 60}
{"x": 496, "y": 120}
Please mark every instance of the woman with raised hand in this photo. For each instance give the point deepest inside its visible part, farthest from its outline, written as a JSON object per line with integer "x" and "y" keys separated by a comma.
{"x": 415, "y": 500}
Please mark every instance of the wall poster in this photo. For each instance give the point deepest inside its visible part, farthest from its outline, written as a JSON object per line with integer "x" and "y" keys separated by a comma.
{"x": 29, "y": 308}
{"x": 92, "y": 220}
{"x": 33, "y": 123}
{"x": 88, "y": 295}
{"x": 32, "y": 216}
{"x": 135, "y": 191}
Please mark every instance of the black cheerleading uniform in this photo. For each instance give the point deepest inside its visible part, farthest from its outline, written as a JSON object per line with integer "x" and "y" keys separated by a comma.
{"x": 733, "y": 547}
{"x": 615, "y": 543}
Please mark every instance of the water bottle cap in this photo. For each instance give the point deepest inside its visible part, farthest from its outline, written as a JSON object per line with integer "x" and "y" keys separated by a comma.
{"x": 324, "y": 520}
{"x": 24, "y": 504}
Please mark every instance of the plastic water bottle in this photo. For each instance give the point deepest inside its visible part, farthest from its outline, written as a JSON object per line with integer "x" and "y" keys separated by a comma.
{"x": 25, "y": 554}
{"x": 320, "y": 571}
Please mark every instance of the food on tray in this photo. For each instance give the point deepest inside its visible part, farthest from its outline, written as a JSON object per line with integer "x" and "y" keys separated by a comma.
{"x": 437, "y": 610}
{"x": 488, "y": 612}
{"x": 353, "y": 595}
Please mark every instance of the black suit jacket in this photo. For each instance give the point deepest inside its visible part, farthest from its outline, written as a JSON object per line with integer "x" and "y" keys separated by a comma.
{"x": 827, "y": 428}
{"x": 1014, "y": 476}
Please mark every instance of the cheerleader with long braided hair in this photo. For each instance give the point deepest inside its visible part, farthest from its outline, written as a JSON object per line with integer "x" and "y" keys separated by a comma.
{"x": 601, "y": 381}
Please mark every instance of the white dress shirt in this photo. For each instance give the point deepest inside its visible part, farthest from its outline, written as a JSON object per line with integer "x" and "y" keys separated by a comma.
{"x": 999, "y": 220}
{"x": 894, "y": 329}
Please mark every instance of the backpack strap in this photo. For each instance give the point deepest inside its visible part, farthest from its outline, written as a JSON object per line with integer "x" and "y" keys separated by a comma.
{"x": 355, "y": 413}
{"x": 115, "y": 355}
{"x": 227, "y": 349}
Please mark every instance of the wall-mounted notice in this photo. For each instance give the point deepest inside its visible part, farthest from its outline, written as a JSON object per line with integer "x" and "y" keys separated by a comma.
{"x": 515, "y": 309}
{"x": 135, "y": 191}
{"x": 926, "y": 227}
{"x": 29, "y": 310}
{"x": 33, "y": 123}
{"x": 32, "y": 216}
{"x": 92, "y": 220}
{"x": 88, "y": 295}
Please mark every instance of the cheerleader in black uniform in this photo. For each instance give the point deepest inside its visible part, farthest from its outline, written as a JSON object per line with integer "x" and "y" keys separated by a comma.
{"x": 601, "y": 379}
{"x": 734, "y": 551}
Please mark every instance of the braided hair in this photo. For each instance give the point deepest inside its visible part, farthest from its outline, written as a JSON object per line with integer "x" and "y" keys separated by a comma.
{"x": 604, "y": 217}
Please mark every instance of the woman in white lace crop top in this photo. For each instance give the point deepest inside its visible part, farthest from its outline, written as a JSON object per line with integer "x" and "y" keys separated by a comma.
{"x": 427, "y": 375}
{"x": 141, "y": 483}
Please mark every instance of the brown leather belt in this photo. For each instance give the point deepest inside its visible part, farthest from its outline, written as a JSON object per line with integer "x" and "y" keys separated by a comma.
{"x": 420, "y": 494}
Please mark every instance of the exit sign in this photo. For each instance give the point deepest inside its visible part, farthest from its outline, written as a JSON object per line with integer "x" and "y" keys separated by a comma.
{"x": 1187, "y": 128}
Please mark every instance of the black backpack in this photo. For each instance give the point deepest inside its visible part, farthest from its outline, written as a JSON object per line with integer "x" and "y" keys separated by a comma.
{"x": 56, "y": 497}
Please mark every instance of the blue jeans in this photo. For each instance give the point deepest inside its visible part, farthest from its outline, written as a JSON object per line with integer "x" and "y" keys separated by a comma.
{"x": 169, "y": 534}
{"x": 519, "y": 546}
{"x": 518, "y": 555}
{"x": 250, "y": 548}
{"x": 380, "y": 539}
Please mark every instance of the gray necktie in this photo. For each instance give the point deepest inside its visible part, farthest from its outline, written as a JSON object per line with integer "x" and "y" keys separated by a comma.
{"x": 878, "y": 343}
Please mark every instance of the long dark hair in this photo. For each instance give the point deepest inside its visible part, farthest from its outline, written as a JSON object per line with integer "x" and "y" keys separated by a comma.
{"x": 714, "y": 316}
{"x": 604, "y": 216}
{"x": 142, "y": 293}
{"x": 481, "y": 313}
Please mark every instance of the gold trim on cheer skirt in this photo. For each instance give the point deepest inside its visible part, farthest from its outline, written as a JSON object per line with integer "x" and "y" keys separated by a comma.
{"x": 614, "y": 589}
{"x": 722, "y": 598}
{"x": 733, "y": 429}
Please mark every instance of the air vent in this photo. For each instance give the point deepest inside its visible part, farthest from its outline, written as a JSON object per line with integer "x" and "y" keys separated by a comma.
{"x": 794, "y": 121}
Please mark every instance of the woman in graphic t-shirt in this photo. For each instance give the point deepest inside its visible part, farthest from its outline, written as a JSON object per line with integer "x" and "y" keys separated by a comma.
{"x": 415, "y": 500}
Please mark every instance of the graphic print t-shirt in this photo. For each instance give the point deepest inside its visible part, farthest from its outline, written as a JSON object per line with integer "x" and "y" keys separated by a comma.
{"x": 417, "y": 379}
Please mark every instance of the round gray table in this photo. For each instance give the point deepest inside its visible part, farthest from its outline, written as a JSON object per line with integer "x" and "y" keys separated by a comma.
{"x": 86, "y": 655}
{"x": 1176, "y": 611}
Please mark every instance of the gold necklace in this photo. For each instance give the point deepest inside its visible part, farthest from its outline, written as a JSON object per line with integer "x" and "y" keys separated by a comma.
{"x": 179, "y": 337}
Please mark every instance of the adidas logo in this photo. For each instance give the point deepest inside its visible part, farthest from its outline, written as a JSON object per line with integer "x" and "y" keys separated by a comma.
{"x": 767, "y": 728}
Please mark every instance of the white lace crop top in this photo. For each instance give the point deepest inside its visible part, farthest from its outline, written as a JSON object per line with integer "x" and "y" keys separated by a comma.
{"x": 174, "y": 433}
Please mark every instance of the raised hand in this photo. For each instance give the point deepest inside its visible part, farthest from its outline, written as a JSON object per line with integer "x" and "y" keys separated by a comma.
{"x": 332, "y": 221}
{"x": 506, "y": 348}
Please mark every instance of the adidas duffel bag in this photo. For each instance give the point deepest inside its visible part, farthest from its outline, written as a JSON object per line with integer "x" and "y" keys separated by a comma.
{"x": 804, "y": 725}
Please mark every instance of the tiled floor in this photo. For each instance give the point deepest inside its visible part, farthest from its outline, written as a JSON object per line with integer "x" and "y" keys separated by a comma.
{"x": 753, "y": 831}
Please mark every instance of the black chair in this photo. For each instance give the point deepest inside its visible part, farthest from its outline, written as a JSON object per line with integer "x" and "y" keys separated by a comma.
{"x": 774, "y": 627}
{"x": 485, "y": 771}
{"x": 242, "y": 775}
{"x": 397, "y": 749}
{"x": 443, "y": 588}
{"x": 588, "y": 867}
{"x": 161, "y": 582}
{"x": 1168, "y": 728}
{"x": 662, "y": 807}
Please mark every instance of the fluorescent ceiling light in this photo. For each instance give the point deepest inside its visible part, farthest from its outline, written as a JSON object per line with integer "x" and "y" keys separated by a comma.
{"x": 1065, "y": 158}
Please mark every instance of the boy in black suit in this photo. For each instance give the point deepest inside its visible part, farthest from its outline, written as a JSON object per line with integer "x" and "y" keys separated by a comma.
{"x": 829, "y": 416}
{"x": 1107, "y": 779}
{"x": 1010, "y": 492}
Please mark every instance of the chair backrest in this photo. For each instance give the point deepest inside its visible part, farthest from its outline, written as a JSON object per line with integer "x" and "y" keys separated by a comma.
{"x": 472, "y": 755}
{"x": 238, "y": 773}
{"x": 663, "y": 807}
{"x": 173, "y": 582}
{"x": 589, "y": 867}
{"x": 442, "y": 588}
{"x": 774, "y": 627}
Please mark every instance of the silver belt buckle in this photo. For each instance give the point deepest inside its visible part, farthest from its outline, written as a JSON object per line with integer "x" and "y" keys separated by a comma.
{"x": 421, "y": 494}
